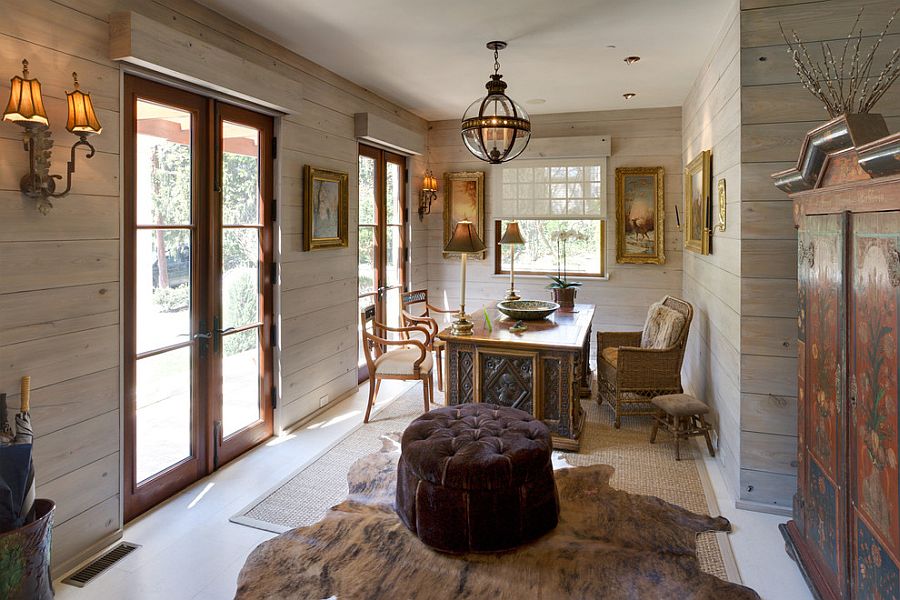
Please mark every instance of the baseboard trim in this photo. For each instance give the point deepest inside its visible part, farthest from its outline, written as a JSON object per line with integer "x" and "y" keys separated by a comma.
{"x": 64, "y": 569}
{"x": 772, "y": 509}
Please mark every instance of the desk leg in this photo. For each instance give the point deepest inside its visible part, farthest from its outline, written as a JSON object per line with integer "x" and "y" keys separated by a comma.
{"x": 585, "y": 374}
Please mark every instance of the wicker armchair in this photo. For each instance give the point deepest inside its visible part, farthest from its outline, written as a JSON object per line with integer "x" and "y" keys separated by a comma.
{"x": 630, "y": 376}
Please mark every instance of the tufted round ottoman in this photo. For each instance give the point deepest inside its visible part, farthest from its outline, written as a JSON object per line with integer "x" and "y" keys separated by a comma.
{"x": 476, "y": 478}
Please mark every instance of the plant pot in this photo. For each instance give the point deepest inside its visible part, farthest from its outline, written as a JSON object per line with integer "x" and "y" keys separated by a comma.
{"x": 565, "y": 297}
{"x": 25, "y": 552}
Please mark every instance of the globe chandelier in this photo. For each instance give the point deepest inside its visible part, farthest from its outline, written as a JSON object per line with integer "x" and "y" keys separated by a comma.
{"x": 495, "y": 128}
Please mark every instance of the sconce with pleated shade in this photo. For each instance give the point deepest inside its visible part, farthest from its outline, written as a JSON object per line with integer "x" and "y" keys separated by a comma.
{"x": 25, "y": 106}
{"x": 82, "y": 119}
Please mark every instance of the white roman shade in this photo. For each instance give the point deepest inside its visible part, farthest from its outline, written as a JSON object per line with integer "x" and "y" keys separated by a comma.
{"x": 551, "y": 189}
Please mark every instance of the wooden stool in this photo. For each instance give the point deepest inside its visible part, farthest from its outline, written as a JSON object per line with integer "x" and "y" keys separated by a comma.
{"x": 682, "y": 415}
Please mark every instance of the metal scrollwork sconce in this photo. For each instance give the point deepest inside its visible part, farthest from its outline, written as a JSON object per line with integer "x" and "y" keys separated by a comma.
{"x": 26, "y": 109}
{"x": 427, "y": 195}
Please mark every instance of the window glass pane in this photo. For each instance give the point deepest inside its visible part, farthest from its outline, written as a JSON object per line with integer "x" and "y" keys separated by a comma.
{"x": 162, "y": 287}
{"x": 366, "y": 260}
{"x": 542, "y": 174}
{"x": 392, "y": 265}
{"x": 575, "y": 173}
{"x": 240, "y": 277}
{"x": 594, "y": 190}
{"x": 240, "y": 380}
{"x": 593, "y": 173}
{"x": 576, "y": 190}
{"x": 509, "y": 175}
{"x": 557, "y": 190}
{"x": 394, "y": 214}
{"x": 510, "y": 190}
{"x": 539, "y": 254}
{"x": 240, "y": 174}
{"x": 163, "y": 417}
{"x": 366, "y": 190}
{"x": 525, "y": 175}
{"x": 557, "y": 173}
{"x": 542, "y": 190}
{"x": 525, "y": 191}
{"x": 163, "y": 174}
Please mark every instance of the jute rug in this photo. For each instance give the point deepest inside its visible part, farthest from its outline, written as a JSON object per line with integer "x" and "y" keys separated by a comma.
{"x": 305, "y": 497}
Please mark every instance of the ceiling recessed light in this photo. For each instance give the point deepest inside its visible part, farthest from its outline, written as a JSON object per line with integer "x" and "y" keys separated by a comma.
{"x": 632, "y": 59}
{"x": 610, "y": 45}
{"x": 535, "y": 101}
{"x": 629, "y": 95}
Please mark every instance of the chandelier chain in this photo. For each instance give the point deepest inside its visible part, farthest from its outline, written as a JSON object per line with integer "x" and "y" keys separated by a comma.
{"x": 496, "y": 61}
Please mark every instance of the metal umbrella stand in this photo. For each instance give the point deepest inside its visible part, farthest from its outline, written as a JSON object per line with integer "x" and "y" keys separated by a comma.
{"x": 16, "y": 468}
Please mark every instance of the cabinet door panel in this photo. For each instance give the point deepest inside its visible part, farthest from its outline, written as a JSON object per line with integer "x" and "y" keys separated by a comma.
{"x": 822, "y": 314}
{"x": 873, "y": 427}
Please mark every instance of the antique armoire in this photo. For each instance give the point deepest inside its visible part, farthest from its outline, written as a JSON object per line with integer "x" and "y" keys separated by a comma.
{"x": 845, "y": 532}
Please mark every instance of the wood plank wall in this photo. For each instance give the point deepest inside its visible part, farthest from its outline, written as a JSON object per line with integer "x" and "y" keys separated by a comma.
{"x": 640, "y": 138}
{"x": 59, "y": 274}
{"x": 776, "y": 112}
{"x": 712, "y": 283}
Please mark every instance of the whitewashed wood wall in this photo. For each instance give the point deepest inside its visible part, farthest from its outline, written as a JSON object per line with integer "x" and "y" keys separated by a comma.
{"x": 59, "y": 274}
{"x": 640, "y": 138}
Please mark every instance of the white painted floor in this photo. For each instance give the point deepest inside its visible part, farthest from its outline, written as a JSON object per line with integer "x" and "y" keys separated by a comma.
{"x": 189, "y": 549}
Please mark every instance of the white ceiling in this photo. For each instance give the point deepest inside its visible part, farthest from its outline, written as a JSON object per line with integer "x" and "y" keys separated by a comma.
{"x": 430, "y": 56}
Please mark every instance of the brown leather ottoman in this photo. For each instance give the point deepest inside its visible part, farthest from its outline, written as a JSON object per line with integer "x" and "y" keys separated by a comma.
{"x": 476, "y": 478}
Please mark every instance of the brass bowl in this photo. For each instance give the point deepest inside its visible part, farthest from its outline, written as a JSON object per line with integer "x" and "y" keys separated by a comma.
{"x": 527, "y": 310}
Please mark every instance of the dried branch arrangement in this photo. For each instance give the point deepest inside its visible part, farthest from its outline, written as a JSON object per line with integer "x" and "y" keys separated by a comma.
{"x": 843, "y": 91}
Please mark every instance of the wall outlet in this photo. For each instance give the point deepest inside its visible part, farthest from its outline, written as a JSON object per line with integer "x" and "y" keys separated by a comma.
{"x": 323, "y": 400}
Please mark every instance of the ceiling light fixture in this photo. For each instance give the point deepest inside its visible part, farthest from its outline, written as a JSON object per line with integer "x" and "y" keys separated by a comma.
{"x": 629, "y": 95}
{"x": 632, "y": 59}
{"x": 496, "y": 129}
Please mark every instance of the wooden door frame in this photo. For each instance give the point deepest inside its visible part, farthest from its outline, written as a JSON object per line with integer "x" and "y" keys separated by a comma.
{"x": 139, "y": 498}
{"x": 247, "y": 437}
{"x": 381, "y": 158}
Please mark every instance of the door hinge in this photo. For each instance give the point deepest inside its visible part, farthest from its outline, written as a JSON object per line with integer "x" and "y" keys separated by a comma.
{"x": 406, "y": 254}
{"x": 274, "y": 397}
{"x": 406, "y": 215}
{"x": 273, "y": 335}
{"x": 274, "y": 147}
{"x": 274, "y": 273}
{"x": 406, "y": 175}
{"x": 274, "y": 210}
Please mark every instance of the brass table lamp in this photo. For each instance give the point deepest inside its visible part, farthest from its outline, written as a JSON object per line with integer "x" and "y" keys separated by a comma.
{"x": 464, "y": 241}
{"x": 512, "y": 237}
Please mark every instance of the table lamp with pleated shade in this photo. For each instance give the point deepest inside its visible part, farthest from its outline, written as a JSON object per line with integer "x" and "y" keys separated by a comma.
{"x": 464, "y": 241}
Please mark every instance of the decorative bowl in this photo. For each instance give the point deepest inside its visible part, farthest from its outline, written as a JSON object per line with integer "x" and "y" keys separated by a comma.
{"x": 527, "y": 310}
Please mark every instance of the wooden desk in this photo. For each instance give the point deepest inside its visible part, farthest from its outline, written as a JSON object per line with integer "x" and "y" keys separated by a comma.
{"x": 543, "y": 370}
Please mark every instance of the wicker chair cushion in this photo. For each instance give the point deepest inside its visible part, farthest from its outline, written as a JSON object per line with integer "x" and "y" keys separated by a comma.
{"x": 663, "y": 327}
{"x": 680, "y": 405}
{"x": 400, "y": 362}
{"x": 610, "y": 355}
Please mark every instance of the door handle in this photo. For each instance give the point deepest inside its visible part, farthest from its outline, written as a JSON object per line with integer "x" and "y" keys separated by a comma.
{"x": 218, "y": 333}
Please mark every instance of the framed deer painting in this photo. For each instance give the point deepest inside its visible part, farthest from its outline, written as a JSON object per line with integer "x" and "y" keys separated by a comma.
{"x": 640, "y": 215}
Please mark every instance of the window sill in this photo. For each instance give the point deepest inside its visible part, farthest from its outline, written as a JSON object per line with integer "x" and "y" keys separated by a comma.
{"x": 573, "y": 277}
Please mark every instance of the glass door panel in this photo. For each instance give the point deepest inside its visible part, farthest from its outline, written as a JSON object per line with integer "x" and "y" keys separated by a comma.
{"x": 382, "y": 236}
{"x": 243, "y": 401}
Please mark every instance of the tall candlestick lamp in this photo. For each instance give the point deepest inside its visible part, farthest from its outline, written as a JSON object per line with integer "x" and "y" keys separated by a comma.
{"x": 512, "y": 237}
{"x": 464, "y": 241}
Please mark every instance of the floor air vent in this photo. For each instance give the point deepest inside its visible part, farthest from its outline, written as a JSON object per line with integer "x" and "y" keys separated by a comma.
{"x": 114, "y": 555}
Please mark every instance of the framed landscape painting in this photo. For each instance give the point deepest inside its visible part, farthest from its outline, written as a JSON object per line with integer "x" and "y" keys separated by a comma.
{"x": 640, "y": 215}
{"x": 325, "y": 206}
{"x": 698, "y": 204}
{"x": 464, "y": 201}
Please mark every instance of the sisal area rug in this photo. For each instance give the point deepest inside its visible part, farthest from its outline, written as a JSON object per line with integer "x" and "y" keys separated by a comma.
{"x": 305, "y": 497}
{"x": 608, "y": 544}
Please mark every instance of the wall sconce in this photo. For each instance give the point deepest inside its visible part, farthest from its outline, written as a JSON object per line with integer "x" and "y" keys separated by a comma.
{"x": 26, "y": 109}
{"x": 427, "y": 195}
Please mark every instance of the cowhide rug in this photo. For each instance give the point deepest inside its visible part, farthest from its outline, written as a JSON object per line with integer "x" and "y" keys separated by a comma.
{"x": 609, "y": 544}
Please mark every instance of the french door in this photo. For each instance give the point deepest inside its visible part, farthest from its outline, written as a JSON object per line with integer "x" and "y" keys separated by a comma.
{"x": 383, "y": 219}
{"x": 197, "y": 277}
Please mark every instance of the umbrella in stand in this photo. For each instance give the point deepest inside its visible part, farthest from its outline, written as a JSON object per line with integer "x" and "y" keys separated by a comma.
{"x": 17, "y": 470}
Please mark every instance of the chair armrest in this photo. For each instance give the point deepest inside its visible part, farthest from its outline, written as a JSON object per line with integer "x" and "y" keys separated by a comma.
{"x": 648, "y": 368}
{"x": 445, "y": 311}
{"x": 428, "y": 321}
{"x": 617, "y": 339}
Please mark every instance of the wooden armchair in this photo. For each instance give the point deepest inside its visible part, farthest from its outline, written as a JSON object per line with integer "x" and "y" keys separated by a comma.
{"x": 417, "y": 300}
{"x": 409, "y": 360}
{"x": 632, "y": 369}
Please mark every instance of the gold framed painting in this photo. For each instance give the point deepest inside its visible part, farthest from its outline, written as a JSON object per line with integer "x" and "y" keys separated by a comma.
{"x": 640, "y": 215}
{"x": 325, "y": 206}
{"x": 464, "y": 200}
{"x": 698, "y": 204}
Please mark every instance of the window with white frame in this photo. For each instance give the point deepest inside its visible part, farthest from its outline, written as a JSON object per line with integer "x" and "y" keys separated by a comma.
{"x": 547, "y": 198}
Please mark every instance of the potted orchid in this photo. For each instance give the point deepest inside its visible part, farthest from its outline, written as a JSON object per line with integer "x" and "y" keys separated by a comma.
{"x": 562, "y": 288}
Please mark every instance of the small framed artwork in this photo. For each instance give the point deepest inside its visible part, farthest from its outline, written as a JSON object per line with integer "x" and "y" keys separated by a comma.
{"x": 640, "y": 215}
{"x": 325, "y": 206}
{"x": 698, "y": 205}
{"x": 464, "y": 201}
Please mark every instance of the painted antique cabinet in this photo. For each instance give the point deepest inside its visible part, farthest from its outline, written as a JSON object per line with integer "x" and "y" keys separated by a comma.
{"x": 845, "y": 532}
